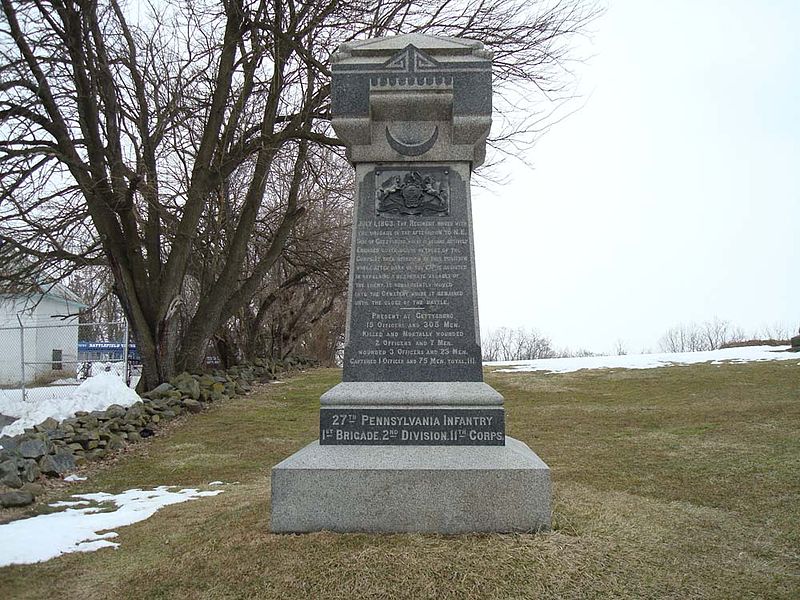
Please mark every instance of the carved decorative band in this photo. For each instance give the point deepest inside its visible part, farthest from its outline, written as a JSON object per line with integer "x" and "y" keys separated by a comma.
{"x": 416, "y": 83}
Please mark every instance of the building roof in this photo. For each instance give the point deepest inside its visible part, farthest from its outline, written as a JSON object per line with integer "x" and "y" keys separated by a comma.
{"x": 55, "y": 291}
{"x": 62, "y": 292}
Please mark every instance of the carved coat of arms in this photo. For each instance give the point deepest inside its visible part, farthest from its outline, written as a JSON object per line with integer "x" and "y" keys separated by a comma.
{"x": 412, "y": 193}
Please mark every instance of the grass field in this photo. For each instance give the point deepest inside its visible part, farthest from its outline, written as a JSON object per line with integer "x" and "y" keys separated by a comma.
{"x": 680, "y": 482}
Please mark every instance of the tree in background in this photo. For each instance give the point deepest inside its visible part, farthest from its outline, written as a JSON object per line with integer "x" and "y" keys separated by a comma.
{"x": 103, "y": 319}
{"x": 777, "y": 331}
{"x": 300, "y": 309}
{"x": 693, "y": 337}
{"x": 161, "y": 145}
{"x": 718, "y": 333}
{"x": 516, "y": 344}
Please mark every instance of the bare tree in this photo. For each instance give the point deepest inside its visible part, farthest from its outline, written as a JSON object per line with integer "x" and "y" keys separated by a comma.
{"x": 679, "y": 338}
{"x": 515, "y": 344}
{"x": 693, "y": 337}
{"x": 301, "y": 307}
{"x": 579, "y": 353}
{"x": 777, "y": 331}
{"x": 95, "y": 287}
{"x": 490, "y": 347}
{"x": 152, "y": 144}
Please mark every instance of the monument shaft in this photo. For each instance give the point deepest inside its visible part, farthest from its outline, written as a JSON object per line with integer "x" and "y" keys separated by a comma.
{"x": 413, "y": 311}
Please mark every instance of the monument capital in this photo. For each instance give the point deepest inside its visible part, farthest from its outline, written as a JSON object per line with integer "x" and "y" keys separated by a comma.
{"x": 412, "y": 98}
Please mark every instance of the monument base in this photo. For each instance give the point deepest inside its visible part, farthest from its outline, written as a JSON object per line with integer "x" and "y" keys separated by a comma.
{"x": 431, "y": 489}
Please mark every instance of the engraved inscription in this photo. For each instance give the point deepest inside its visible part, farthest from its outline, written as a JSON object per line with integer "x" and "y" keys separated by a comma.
{"x": 412, "y": 303}
{"x": 417, "y": 427}
{"x": 411, "y": 193}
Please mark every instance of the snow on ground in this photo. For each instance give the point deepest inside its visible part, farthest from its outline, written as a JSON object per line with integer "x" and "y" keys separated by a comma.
{"x": 96, "y": 393}
{"x": 13, "y": 396}
{"x": 91, "y": 368}
{"x": 59, "y": 388}
{"x": 65, "y": 381}
{"x": 100, "y": 366}
{"x": 44, "y": 537}
{"x": 649, "y": 361}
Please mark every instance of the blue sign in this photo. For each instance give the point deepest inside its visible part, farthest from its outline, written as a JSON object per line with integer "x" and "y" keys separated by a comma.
{"x": 111, "y": 350}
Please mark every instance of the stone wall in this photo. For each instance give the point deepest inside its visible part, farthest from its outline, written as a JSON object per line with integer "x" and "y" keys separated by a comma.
{"x": 52, "y": 448}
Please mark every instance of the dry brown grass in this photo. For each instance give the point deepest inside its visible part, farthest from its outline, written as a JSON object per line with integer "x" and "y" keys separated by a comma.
{"x": 679, "y": 482}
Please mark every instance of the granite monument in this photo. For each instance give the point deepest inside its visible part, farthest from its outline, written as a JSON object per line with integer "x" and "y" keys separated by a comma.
{"x": 412, "y": 439}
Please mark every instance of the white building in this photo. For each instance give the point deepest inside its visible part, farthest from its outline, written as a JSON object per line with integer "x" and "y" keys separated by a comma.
{"x": 45, "y": 323}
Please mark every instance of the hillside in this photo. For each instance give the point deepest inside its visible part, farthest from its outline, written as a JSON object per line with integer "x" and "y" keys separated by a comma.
{"x": 671, "y": 482}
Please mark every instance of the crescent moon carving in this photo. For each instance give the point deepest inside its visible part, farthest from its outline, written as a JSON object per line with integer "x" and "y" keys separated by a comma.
{"x": 412, "y": 149}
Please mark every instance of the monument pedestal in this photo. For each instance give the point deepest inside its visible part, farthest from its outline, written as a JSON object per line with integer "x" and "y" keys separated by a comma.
{"x": 468, "y": 413}
{"x": 431, "y": 489}
{"x": 386, "y": 393}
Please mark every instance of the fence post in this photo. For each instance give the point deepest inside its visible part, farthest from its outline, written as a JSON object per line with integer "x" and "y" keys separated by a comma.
{"x": 22, "y": 356}
{"x": 125, "y": 373}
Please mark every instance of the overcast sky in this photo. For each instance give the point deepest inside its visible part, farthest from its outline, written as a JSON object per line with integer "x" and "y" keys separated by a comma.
{"x": 672, "y": 196}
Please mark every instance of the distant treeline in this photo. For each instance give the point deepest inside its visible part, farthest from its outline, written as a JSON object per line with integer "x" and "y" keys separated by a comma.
{"x": 520, "y": 343}
{"x": 718, "y": 333}
{"x": 506, "y": 343}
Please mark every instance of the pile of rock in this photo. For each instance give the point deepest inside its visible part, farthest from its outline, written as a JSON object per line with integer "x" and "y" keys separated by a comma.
{"x": 53, "y": 448}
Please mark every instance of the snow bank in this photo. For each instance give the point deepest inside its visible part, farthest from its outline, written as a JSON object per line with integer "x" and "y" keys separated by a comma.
{"x": 96, "y": 393}
{"x": 44, "y": 537}
{"x": 649, "y": 361}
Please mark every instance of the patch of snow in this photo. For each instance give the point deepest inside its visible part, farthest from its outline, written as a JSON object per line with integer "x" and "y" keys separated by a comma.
{"x": 95, "y": 367}
{"x": 65, "y": 381}
{"x": 96, "y": 393}
{"x": 649, "y": 361}
{"x": 71, "y": 478}
{"x": 44, "y": 537}
{"x": 217, "y": 483}
{"x": 117, "y": 367}
{"x": 63, "y": 503}
{"x": 13, "y": 396}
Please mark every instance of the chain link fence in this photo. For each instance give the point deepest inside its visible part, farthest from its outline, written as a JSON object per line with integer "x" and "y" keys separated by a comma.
{"x": 47, "y": 360}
